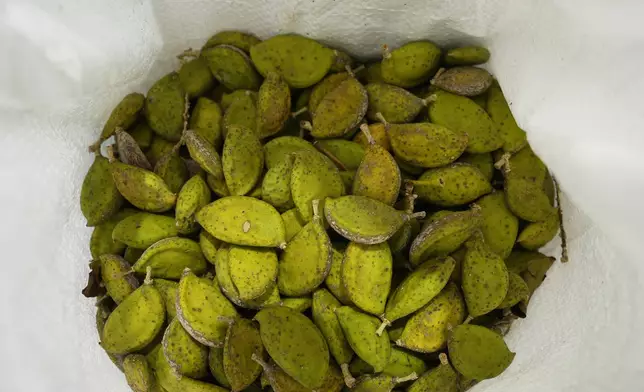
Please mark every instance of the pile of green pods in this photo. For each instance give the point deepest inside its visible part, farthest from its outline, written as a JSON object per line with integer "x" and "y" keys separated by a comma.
{"x": 267, "y": 217}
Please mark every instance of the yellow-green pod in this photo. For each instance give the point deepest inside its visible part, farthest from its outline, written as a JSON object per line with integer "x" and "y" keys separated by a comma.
{"x": 144, "y": 229}
{"x": 426, "y": 145}
{"x": 366, "y": 275}
{"x": 216, "y": 365}
{"x": 243, "y": 160}
{"x": 242, "y": 112}
{"x": 360, "y": 331}
{"x": 442, "y": 378}
{"x": 348, "y": 153}
{"x": 159, "y": 147}
{"x": 483, "y": 162}
{"x": 277, "y": 378}
{"x": 243, "y": 341}
{"x": 411, "y": 64}
{"x": 142, "y": 134}
{"x": 276, "y": 186}
{"x": 281, "y": 148}
{"x": 169, "y": 257}
{"x": 499, "y": 225}
{"x": 218, "y": 186}
{"x": 518, "y": 291}
{"x": 252, "y": 270}
{"x": 320, "y": 90}
{"x": 299, "y": 304}
{"x": 465, "y": 80}
{"x": 203, "y": 153}
{"x": 467, "y": 55}
{"x": 514, "y": 138}
{"x": 477, "y": 352}
{"x": 100, "y": 198}
{"x": 395, "y": 104}
{"x": 323, "y": 311}
{"x": 164, "y": 106}
{"x": 334, "y": 279}
{"x": 231, "y": 67}
{"x": 168, "y": 290}
{"x": 205, "y": 120}
{"x": 341, "y": 110}
{"x": 101, "y": 241}
{"x": 538, "y": 234}
{"x": 193, "y": 196}
{"x": 452, "y": 185}
{"x": 238, "y": 39}
{"x": 341, "y": 61}
{"x": 195, "y": 77}
{"x": 143, "y": 188}
{"x": 123, "y": 115}
{"x": 209, "y": 246}
{"x": 273, "y": 105}
{"x": 401, "y": 363}
{"x": 293, "y": 223}
{"x": 117, "y": 278}
{"x": 185, "y": 355}
{"x": 171, "y": 381}
{"x": 138, "y": 374}
{"x": 173, "y": 170}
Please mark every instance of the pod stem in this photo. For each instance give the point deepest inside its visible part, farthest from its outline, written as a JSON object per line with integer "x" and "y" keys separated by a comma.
{"x": 316, "y": 209}
{"x": 225, "y": 319}
{"x": 110, "y": 153}
{"x": 410, "y": 377}
{"x": 357, "y": 69}
{"x": 349, "y": 380}
{"x": 188, "y": 53}
{"x": 468, "y": 319}
{"x": 504, "y": 162}
{"x": 409, "y": 197}
{"x": 148, "y": 275}
{"x": 298, "y": 112}
{"x": 385, "y": 323}
{"x": 349, "y": 71}
{"x": 282, "y": 246}
{"x": 386, "y": 53}
{"x": 95, "y": 147}
{"x": 365, "y": 130}
{"x": 443, "y": 358}
{"x": 416, "y": 215}
{"x": 186, "y": 110}
{"x": 382, "y": 119}
{"x": 562, "y": 228}
{"x": 260, "y": 361}
{"x": 440, "y": 71}
{"x": 329, "y": 154}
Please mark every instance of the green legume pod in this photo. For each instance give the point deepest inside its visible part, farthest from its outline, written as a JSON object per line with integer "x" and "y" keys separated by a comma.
{"x": 514, "y": 138}
{"x": 144, "y": 189}
{"x": 499, "y": 225}
{"x": 142, "y": 134}
{"x": 281, "y": 148}
{"x": 252, "y": 270}
{"x": 102, "y": 313}
{"x": 401, "y": 363}
{"x": 442, "y": 378}
{"x": 116, "y": 277}
{"x": 348, "y": 177}
{"x": 298, "y": 304}
{"x": 363, "y": 220}
{"x": 289, "y": 336}
{"x": 477, "y": 352}
{"x": 164, "y": 107}
{"x": 232, "y": 67}
{"x": 307, "y": 259}
{"x": 452, "y": 185}
{"x": 534, "y": 262}
{"x": 518, "y": 291}
{"x": 168, "y": 290}
{"x": 195, "y": 77}
{"x": 243, "y": 220}
{"x": 411, "y": 64}
{"x": 242, "y": 342}
{"x": 138, "y": 374}
{"x": 159, "y": 147}
{"x": 341, "y": 61}
{"x": 466, "y": 80}
{"x": 135, "y": 322}
{"x": 403, "y": 237}
{"x": 173, "y": 382}
{"x": 538, "y": 234}
{"x": 527, "y": 165}
{"x": 320, "y": 90}
{"x": 273, "y": 105}
{"x": 129, "y": 150}
{"x": 100, "y": 198}
{"x": 173, "y": 170}
{"x": 204, "y": 153}
{"x": 228, "y": 98}
{"x": 169, "y": 257}
{"x": 379, "y": 132}
{"x": 243, "y": 160}
{"x": 372, "y": 73}
{"x": 397, "y": 105}
{"x": 101, "y": 241}
{"x": 375, "y": 383}
{"x": 341, "y": 110}
{"x": 293, "y": 223}
{"x": 276, "y": 186}
{"x": 426, "y": 331}
{"x": 334, "y": 279}
{"x": 277, "y": 378}
{"x": 313, "y": 177}
{"x": 143, "y": 229}
{"x": 238, "y": 39}
{"x": 209, "y": 245}
{"x": 193, "y": 196}
{"x": 206, "y": 120}
{"x": 461, "y": 114}
{"x": 217, "y": 186}
{"x": 366, "y": 275}
{"x": 527, "y": 200}
{"x": 242, "y": 112}
{"x": 360, "y": 331}
{"x": 426, "y": 145}
{"x": 323, "y": 311}
{"x": 483, "y": 162}
{"x": 467, "y": 55}
{"x": 185, "y": 355}
{"x": 123, "y": 115}
{"x": 131, "y": 255}
{"x": 301, "y": 61}
{"x": 418, "y": 288}
{"x": 349, "y": 153}
{"x": 485, "y": 278}
{"x": 202, "y": 310}
{"x": 216, "y": 365}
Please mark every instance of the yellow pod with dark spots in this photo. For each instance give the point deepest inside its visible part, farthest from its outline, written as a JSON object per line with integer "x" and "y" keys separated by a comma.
{"x": 273, "y": 105}
{"x": 164, "y": 106}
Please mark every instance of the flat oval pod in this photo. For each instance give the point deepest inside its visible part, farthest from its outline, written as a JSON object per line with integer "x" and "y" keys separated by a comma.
{"x": 395, "y": 104}
{"x": 360, "y": 330}
{"x": 243, "y": 220}
{"x": 524, "y": 164}
{"x": 461, "y": 114}
{"x": 467, "y": 55}
{"x": 366, "y": 275}
{"x": 277, "y": 378}
{"x": 348, "y": 153}
{"x": 242, "y": 112}
{"x": 514, "y": 138}
{"x": 517, "y": 291}
{"x": 289, "y": 336}
{"x": 243, "y": 160}
{"x": 465, "y": 80}
{"x": 252, "y": 270}
{"x": 485, "y": 278}
{"x": 164, "y": 106}
{"x": 426, "y": 331}
{"x": 483, "y": 162}
{"x": 135, "y": 322}
{"x": 452, "y": 185}
{"x": 100, "y": 198}
{"x": 273, "y": 105}
{"x": 217, "y": 186}
{"x": 138, "y": 374}
{"x": 307, "y": 259}
{"x": 378, "y": 175}
{"x": 401, "y": 363}
{"x": 320, "y": 90}
{"x": 281, "y": 148}
{"x": 129, "y": 150}
{"x": 411, "y": 64}
{"x": 185, "y": 355}
{"x": 426, "y": 145}
{"x": 200, "y": 309}
{"x": 193, "y": 196}
{"x": 123, "y": 115}
{"x": 209, "y": 246}
{"x": 242, "y": 342}
{"x": 293, "y": 223}
{"x": 216, "y": 366}
{"x": 323, "y": 311}
{"x": 101, "y": 241}
{"x": 477, "y": 352}
{"x": 171, "y": 381}
{"x": 276, "y": 185}
{"x": 205, "y": 120}
{"x": 168, "y": 258}
{"x": 298, "y": 304}
{"x": 341, "y": 61}
{"x": 341, "y": 110}
{"x": 143, "y": 229}
{"x": 172, "y": 169}
{"x": 131, "y": 255}
{"x": 159, "y": 147}
{"x": 499, "y": 225}
{"x": 231, "y": 67}
{"x": 313, "y": 177}
{"x": 442, "y": 378}
{"x": 144, "y": 189}
{"x": 142, "y": 134}
{"x": 115, "y": 274}
{"x": 538, "y": 234}
{"x": 168, "y": 290}
{"x": 196, "y": 78}
{"x": 334, "y": 279}
{"x": 203, "y": 153}
{"x": 301, "y": 61}
{"x": 378, "y": 133}
{"x": 238, "y": 39}
{"x": 527, "y": 200}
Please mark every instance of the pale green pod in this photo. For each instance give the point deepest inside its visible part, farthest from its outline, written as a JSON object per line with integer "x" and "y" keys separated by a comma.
{"x": 514, "y": 138}
{"x": 168, "y": 290}
{"x": 301, "y": 61}
{"x": 144, "y": 189}
{"x": 202, "y": 310}
{"x": 380, "y": 134}
{"x": 366, "y": 275}
{"x": 517, "y": 291}
{"x": 209, "y": 246}
{"x": 116, "y": 277}
{"x": 323, "y": 311}
{"x": 293, "y": 223}
{"x": 216, "y": 366}
{"x": 499, "y": 226}
{"x": 195, "y": 77}
{"x": 442, "y": 378}
{"x": 193, "y": 196}
{"x": 477, "y": 352}
{"x": 138, "y": 374}
{"x": 298, "y": 304}
{"x": 252, "y": 270}
{"x": 173, "y": 170}
{"x": 349, "y": 153}
{"x": 135, "y": 322}
{"x": 360, "y": 331}
{"x": 243, "y": 220}
{"x": 281, "y": 148}
{"x": 426, "y": 145}
{"x": 426, "y": 331}
{"x": 238, "y": 39}
{"x": 334, "y": 279}
{"x": 102, "y": 313}
{"x": 276, "y": 186}
{"x": 289, "y": 336}
{"x": 243, "y": 160}
{"x": 341, "y": 110}
{"x": 381, "y": 382}
{"x": 205, "y": 120}
{"x": 172, "y": 382}
{"x": 348, "y": 178}
{"x": 218, "y": 186}
{"x": 100, "y": 198}
{"x": 185, "y": 355}
{"x": 227, "y": 99}
{"x": 242, "y": 112}
{"x": 411, "y": 64}
{"x": 467, "y": 55}
{"x": 243, "y": 341}
{"x": 273, "y": 105}
{"x": 538, "y": 234}
{"x": 159, "y": 147}
{"x": 231, "y": 67}
{"x": 452, "y": 185}
{"x": 524, "y": 164}
{"x": 483, "y": 162}
{"x": 164, "y": 106}
{"x": 395, "y": 104}
{"x": 142, "y": 134}
{"x": 203, "y": 153}
{"x": 464, "y": 80}
{"x": 313, "y": 177}
{"x": 307, "y": 259}
{"x": 401, "y": 363}
{"x": 527, "y": 200}
{"x": 123, "y": 115}
{"x": 320, "y": 90}
{"x": 169, "y": 257}
{"x": 101, "y": 241}
{"x": 129, "y": 151}
{"x": 143, "y": 229}
{"x": 485, "y": 278}
{"x": 461, "y": 114}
